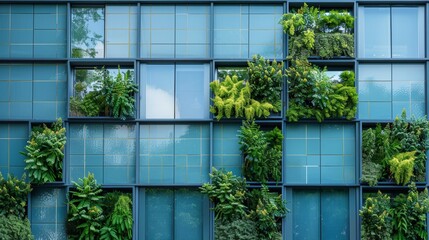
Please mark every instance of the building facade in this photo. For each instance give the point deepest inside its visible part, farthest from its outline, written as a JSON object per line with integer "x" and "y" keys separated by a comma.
{"x": 174, "y": 49}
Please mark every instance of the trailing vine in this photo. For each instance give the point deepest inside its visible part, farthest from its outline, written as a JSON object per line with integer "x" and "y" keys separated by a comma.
{"x": 312, "y": 93}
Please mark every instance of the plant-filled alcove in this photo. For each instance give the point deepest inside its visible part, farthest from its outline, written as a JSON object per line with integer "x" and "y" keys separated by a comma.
{"x": 262, "y": 151}
{"x": 241, "y": 213}
{"x": 253, "y": 95}
{"x": 395, "y": 152}
{"x": 395, "y": 216}
{"x": 45, "y": 153}
{"x": 314, "y": 94}
{"x": 94, "y": 215}
{"x": 315, "y": 32}
{"x": 13, "y": 215}
{"x": 103, "y": 92}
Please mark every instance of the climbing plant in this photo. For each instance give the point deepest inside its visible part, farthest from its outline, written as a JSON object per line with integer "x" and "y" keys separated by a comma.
{"x": 313, "y": 94}
{"x": 313, "y": 32}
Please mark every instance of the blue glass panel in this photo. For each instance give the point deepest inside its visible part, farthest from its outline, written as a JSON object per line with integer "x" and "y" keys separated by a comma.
{"x": 335, "y": 214}
{"x": 306, "y": 214}
{"x": 374, "y": 32}
{"x": 408, "y": 24}
{"x": 226, "y": 149}
{"x": 90, "y": 21}
{"x": 121, "y": 31}
{"x": 192, "y": 91}
{"x": 157, "y": 91}
{"x": 159, "y": 217}
{"x": 188, "y": 215}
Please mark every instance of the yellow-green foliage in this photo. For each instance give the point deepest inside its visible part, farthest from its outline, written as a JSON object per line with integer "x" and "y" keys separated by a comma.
{"x": 232, "y": 99}
{"x": 402, "y": 165}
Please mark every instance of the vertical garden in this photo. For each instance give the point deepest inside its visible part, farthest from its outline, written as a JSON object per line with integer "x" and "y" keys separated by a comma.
{"x": 213, "y": 120}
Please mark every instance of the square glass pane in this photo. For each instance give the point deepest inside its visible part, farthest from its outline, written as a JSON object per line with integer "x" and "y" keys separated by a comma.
{"x": 121, "y": 31}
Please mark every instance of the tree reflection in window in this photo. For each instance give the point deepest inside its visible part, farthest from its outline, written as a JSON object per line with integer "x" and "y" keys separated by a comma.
{"x": 87, "y": 32}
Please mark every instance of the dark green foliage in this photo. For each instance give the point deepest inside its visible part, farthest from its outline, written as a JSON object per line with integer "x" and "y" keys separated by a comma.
{"x": 228, "y": 193}
{"x": 312, "y": 94}
{"x": 376, "y": 218}
{"x": 241, "y": 214}
{"x": 44, "y": 153}
{"x": 318, "y": 33}
{"x": 409, "y": 215}
{"x": 14, "y": 228}
{"x": 267, "y": 209}
{"x": 120, "y": 221}
{"x": 240, "y": 229}
{"x": 257, "y": 96}
{"x": 265, "y": 81}
{"x": 85, "y": 216}
{"x": 110, "y": 96}
{"x": 381, "y": 145}
{"x": 13, "y": 196}
{"x": 262, "y": 152}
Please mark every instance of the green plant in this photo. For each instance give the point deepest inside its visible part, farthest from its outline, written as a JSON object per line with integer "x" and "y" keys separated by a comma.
{"x": 14, "y": 228}
{"x": 13, "y": 196}
{"x": 232, "y": 98}
{"x": 228, "y": 193}
{"x": 262, "y": 152}
{"x": 240, "y": 229}
{"x": 44, "y": 153}
{"x": 319, "y": 33}
{"x": 85, "y": 213}
{"x": 376, "y": 218}
{"x": 265, "y": 81}
{"x": 109, "y": 96}
{"x": 120, "y": 221}
{"x": 409, "y": 214}
{"x": 267, "y": 210}
{"x": 402, "y": 166}
{"x": 312, "y": 94}
{"x": 381, "y": 145}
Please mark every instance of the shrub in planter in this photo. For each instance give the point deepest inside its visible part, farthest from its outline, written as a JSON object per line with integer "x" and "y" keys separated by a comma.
{"x": 105, "y": 95}
{"x": 318, "y": 33}
{"x": 13, "y": 196}
{"x": 236, "y": 208}
{"x": 44, "y": 153}
{"x": 313, "y": 94}
{"x": 396, "y": 151}
{"x": 376, "y": 218}
{"x": 262, "y": 153}
{"x": 119, "y": 223}
{"x": 14, "y": 228}
{"x": 257, "y": 96}
{"x": 85, "y": 215}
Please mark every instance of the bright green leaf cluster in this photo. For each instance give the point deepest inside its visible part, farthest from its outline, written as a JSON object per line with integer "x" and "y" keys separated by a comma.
{"x": 312, "y": 94}
{"x": 262, "y": 153}
{"x": 255, "y": 97}
{"x": 110, "y": 96}
{"x": 44, "y": 153}
{"x": 402, "y": 166}
{"x": 13, "y": 196}
{"x": 376, "y": 218}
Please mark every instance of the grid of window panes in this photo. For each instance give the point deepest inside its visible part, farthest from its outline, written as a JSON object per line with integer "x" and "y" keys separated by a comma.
{"x": 174, "y": 50}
